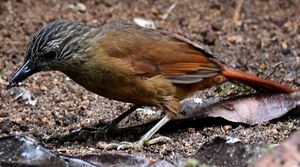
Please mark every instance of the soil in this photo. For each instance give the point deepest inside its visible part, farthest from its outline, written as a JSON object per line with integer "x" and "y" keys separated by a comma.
{"x": 265, "y": 40}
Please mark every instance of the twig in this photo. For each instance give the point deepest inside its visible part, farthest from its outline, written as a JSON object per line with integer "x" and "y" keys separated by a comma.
{"x": 274, "y": 67}
{"x": 237, "y": 11}
{"x": 165, "y": 16}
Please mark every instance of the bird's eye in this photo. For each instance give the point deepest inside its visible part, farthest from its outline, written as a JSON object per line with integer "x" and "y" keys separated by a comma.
{"x": 51, "y": 55}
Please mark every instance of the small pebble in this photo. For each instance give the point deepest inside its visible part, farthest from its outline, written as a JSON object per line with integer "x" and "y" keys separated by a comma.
{"x": 227, "y": 127}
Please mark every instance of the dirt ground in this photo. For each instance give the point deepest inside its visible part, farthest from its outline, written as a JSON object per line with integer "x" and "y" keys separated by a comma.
{"x": 264, "y": 41}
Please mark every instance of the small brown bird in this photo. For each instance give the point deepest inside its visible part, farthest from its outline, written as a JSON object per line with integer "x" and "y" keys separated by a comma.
{"x": 131, "y": 64}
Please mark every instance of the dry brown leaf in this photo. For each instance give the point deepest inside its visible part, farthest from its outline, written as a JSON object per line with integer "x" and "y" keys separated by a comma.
{"x": 251, "y": 109}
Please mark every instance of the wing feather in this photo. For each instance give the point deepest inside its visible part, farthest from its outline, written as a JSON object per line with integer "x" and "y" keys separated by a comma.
{"x": 153, "y": 52}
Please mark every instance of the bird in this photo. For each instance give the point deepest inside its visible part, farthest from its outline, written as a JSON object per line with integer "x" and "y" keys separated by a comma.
{"x": 129, "y": 63}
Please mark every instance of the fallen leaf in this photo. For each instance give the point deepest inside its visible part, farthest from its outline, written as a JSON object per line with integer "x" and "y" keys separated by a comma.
{"x": 250, "y": 109}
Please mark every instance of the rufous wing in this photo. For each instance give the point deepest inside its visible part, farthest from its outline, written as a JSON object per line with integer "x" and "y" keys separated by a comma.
{"x": 153, "y": 52}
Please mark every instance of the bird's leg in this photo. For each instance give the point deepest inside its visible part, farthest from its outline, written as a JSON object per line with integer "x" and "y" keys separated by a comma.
{"x": 113, "y": 125}
{"x": 145, "y": 139}
{"x": 172, "y": 110}
{"x": 96, "y": 129}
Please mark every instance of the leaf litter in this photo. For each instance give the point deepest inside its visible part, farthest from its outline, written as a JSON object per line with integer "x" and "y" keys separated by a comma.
{"x": 250, "y": 109}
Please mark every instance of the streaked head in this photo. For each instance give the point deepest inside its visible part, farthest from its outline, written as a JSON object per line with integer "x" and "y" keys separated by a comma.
{"x": 51, "y": 47}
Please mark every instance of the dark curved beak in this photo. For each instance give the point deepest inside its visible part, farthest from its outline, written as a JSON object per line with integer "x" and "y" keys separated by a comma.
{"x": 24, "y": 72}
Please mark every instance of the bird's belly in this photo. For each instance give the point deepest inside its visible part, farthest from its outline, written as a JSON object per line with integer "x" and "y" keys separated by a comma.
{"x": 125, "y": 88}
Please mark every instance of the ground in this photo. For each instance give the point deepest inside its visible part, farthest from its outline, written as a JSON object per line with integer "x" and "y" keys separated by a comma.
{"x": 263, "y": 40}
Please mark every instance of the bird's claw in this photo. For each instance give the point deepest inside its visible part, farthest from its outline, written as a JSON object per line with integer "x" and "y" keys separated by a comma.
{"x": 100, "y": 131}
{"x": 138, "y": 144}
{"x": 95, "y": 131}
{"x": 160, "y": 139}
{"x": 123, "y": 145}
{"x": 130, "y": 145}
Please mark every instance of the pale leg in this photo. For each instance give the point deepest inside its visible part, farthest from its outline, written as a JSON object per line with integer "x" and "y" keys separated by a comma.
{"x": 146, "y": 137}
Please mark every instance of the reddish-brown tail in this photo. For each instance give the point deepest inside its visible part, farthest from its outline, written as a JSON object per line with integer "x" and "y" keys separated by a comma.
{"x": 253, "y": 81}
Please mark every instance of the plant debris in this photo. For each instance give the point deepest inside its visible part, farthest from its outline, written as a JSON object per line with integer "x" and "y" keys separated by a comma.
{"x": 23, "y": 94}
{"x": 251, "y": 109}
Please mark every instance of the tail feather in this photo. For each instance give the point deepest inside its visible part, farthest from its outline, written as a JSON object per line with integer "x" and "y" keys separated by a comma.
{"x": 255, "y": 82}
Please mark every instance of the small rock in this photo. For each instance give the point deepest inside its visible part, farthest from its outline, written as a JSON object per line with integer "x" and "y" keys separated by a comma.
{"x": 24, "y": 127}
{"x": 55, "y": 82}
{"x": 183, "y": 21}
{"x": 152, "y": 160}
{"x": 198, "y": 100}
{"x": 232, "y": 140}
{"x": 77, "y": 6}
{"x": 191, "y": 130}
{"x": 235, "y": 39}
{"x": 210, "y": 38}
{"x": 284, "y": 45}
{"x": 44, "y": 88}
{"x": 263, "y": 66}
{"x": 1, "y": 119}
{"x": 68, "y": 79}
{"x": 289, "y": 77}
{"x": 45, "y": 121}
{"x": 227, "y": 127}
{"x": 144, "y": 22}
{"x": 17, "y": 120}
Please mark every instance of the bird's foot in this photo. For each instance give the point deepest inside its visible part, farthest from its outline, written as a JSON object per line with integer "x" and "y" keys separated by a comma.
{"x": 100, "y": 129}
{"x": 96, "y": 131}
{"x": 137, "y": 144}
{"x": 160, "y": 139}
{"x": 124, "y": 145}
